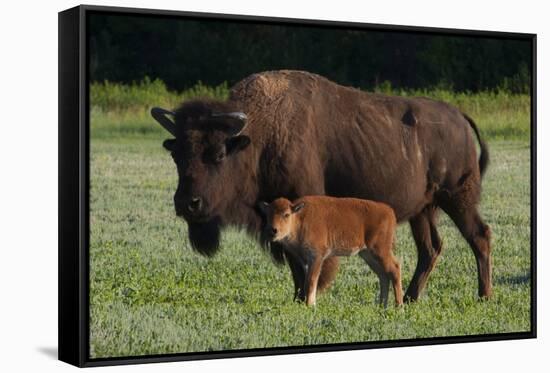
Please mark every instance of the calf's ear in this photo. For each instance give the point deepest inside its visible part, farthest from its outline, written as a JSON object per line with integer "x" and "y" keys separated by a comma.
{"x": 297, "y": 207}
{"x": 169, "y": 144}
{"x": 236, "y": 143}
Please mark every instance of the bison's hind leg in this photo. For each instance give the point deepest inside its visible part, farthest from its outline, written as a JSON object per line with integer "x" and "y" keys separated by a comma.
{"x": 462, "y": 209}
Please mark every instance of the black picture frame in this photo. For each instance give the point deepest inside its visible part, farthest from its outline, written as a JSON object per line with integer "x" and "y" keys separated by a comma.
{"x": 74, "y": 189}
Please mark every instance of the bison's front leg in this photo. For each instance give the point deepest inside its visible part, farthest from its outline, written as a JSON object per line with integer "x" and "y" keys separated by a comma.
{"x": 329, "y": 269}
{"x": 429, "y": 246}
{"x": 298, "y": 276}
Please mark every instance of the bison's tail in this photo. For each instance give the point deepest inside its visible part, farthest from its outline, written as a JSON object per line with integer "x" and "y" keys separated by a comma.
{"x": 484, "y": 156}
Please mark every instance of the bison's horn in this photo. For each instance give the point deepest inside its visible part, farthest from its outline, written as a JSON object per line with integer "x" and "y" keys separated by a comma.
{"x": 234, "y": 115}
{"x": 237, "y": 115}
{"x": 160, "y": 116}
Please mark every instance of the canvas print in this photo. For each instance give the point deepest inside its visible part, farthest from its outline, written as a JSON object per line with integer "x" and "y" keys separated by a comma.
{"x": 258, "y": 185}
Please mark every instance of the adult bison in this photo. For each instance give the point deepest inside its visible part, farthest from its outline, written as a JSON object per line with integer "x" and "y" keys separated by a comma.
{"x": 292, "y": 133}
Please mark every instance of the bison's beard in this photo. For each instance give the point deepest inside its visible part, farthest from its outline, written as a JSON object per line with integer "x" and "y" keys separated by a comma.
{"x": 205, "y": 236}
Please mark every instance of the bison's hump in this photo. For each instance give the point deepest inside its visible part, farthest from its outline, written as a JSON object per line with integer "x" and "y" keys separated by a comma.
{"x": 273, "y": 85}
{"x": 260, "y": 85}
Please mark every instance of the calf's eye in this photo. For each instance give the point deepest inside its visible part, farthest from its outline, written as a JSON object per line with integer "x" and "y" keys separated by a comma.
{"x": 286, "y": 215}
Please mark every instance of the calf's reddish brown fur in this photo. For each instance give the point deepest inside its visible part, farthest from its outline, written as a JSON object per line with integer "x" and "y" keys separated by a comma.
{"x": 315, "y": 228}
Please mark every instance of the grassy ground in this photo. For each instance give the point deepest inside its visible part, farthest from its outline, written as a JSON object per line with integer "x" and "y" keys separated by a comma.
{"x": 124, "y": 110}
{"x": 151, "y": 294}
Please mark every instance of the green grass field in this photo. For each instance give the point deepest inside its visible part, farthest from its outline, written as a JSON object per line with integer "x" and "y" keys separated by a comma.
{"x": 151, "y": 294}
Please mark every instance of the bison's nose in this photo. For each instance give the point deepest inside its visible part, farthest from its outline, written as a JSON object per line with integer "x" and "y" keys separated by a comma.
{"x": 194, "y": 204}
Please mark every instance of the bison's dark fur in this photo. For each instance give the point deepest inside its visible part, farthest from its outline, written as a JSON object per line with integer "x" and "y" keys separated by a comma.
{"x": 306, "y": 135}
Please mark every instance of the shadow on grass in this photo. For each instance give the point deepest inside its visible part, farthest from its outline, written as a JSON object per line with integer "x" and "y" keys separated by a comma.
{"x": 517, "y": 280}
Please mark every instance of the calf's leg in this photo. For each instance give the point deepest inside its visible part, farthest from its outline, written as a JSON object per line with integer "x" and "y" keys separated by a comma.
{"x": 313, "y": 272}
{"x": 384, "y": 280}
{"x": 329, "y": 269}
{"x": 387, "y": 269}
{"x": 384, "y": 290}
{"x": 312, "y": 183}
{"x": 393, "y": 271}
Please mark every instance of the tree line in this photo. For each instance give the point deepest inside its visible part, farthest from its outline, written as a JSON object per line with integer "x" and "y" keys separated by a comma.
{"x": 182, "y": 52}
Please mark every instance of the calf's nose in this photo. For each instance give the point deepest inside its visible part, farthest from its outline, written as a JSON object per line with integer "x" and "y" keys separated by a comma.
{"x": 273, "y": 230}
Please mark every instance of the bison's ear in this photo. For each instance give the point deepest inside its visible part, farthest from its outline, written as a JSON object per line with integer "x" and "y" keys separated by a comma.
{"x": 236, "y": 143}
{"x": 298, "y": 207}
{"x": 169, "y": 144}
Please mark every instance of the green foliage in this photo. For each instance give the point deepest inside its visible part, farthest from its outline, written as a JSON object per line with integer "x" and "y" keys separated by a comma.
{"x": 151, "y": 294}
{"x": 123, "y": 110}
{"x": 139, "y": 96}
{"x": 517, "y": 83}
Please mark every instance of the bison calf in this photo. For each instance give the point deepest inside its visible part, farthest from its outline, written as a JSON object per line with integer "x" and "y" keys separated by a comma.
{"x": 315, "y": 228}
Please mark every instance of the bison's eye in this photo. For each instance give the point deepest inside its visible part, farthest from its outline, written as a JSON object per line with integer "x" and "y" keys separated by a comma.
{"x": 218, "y": 157}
